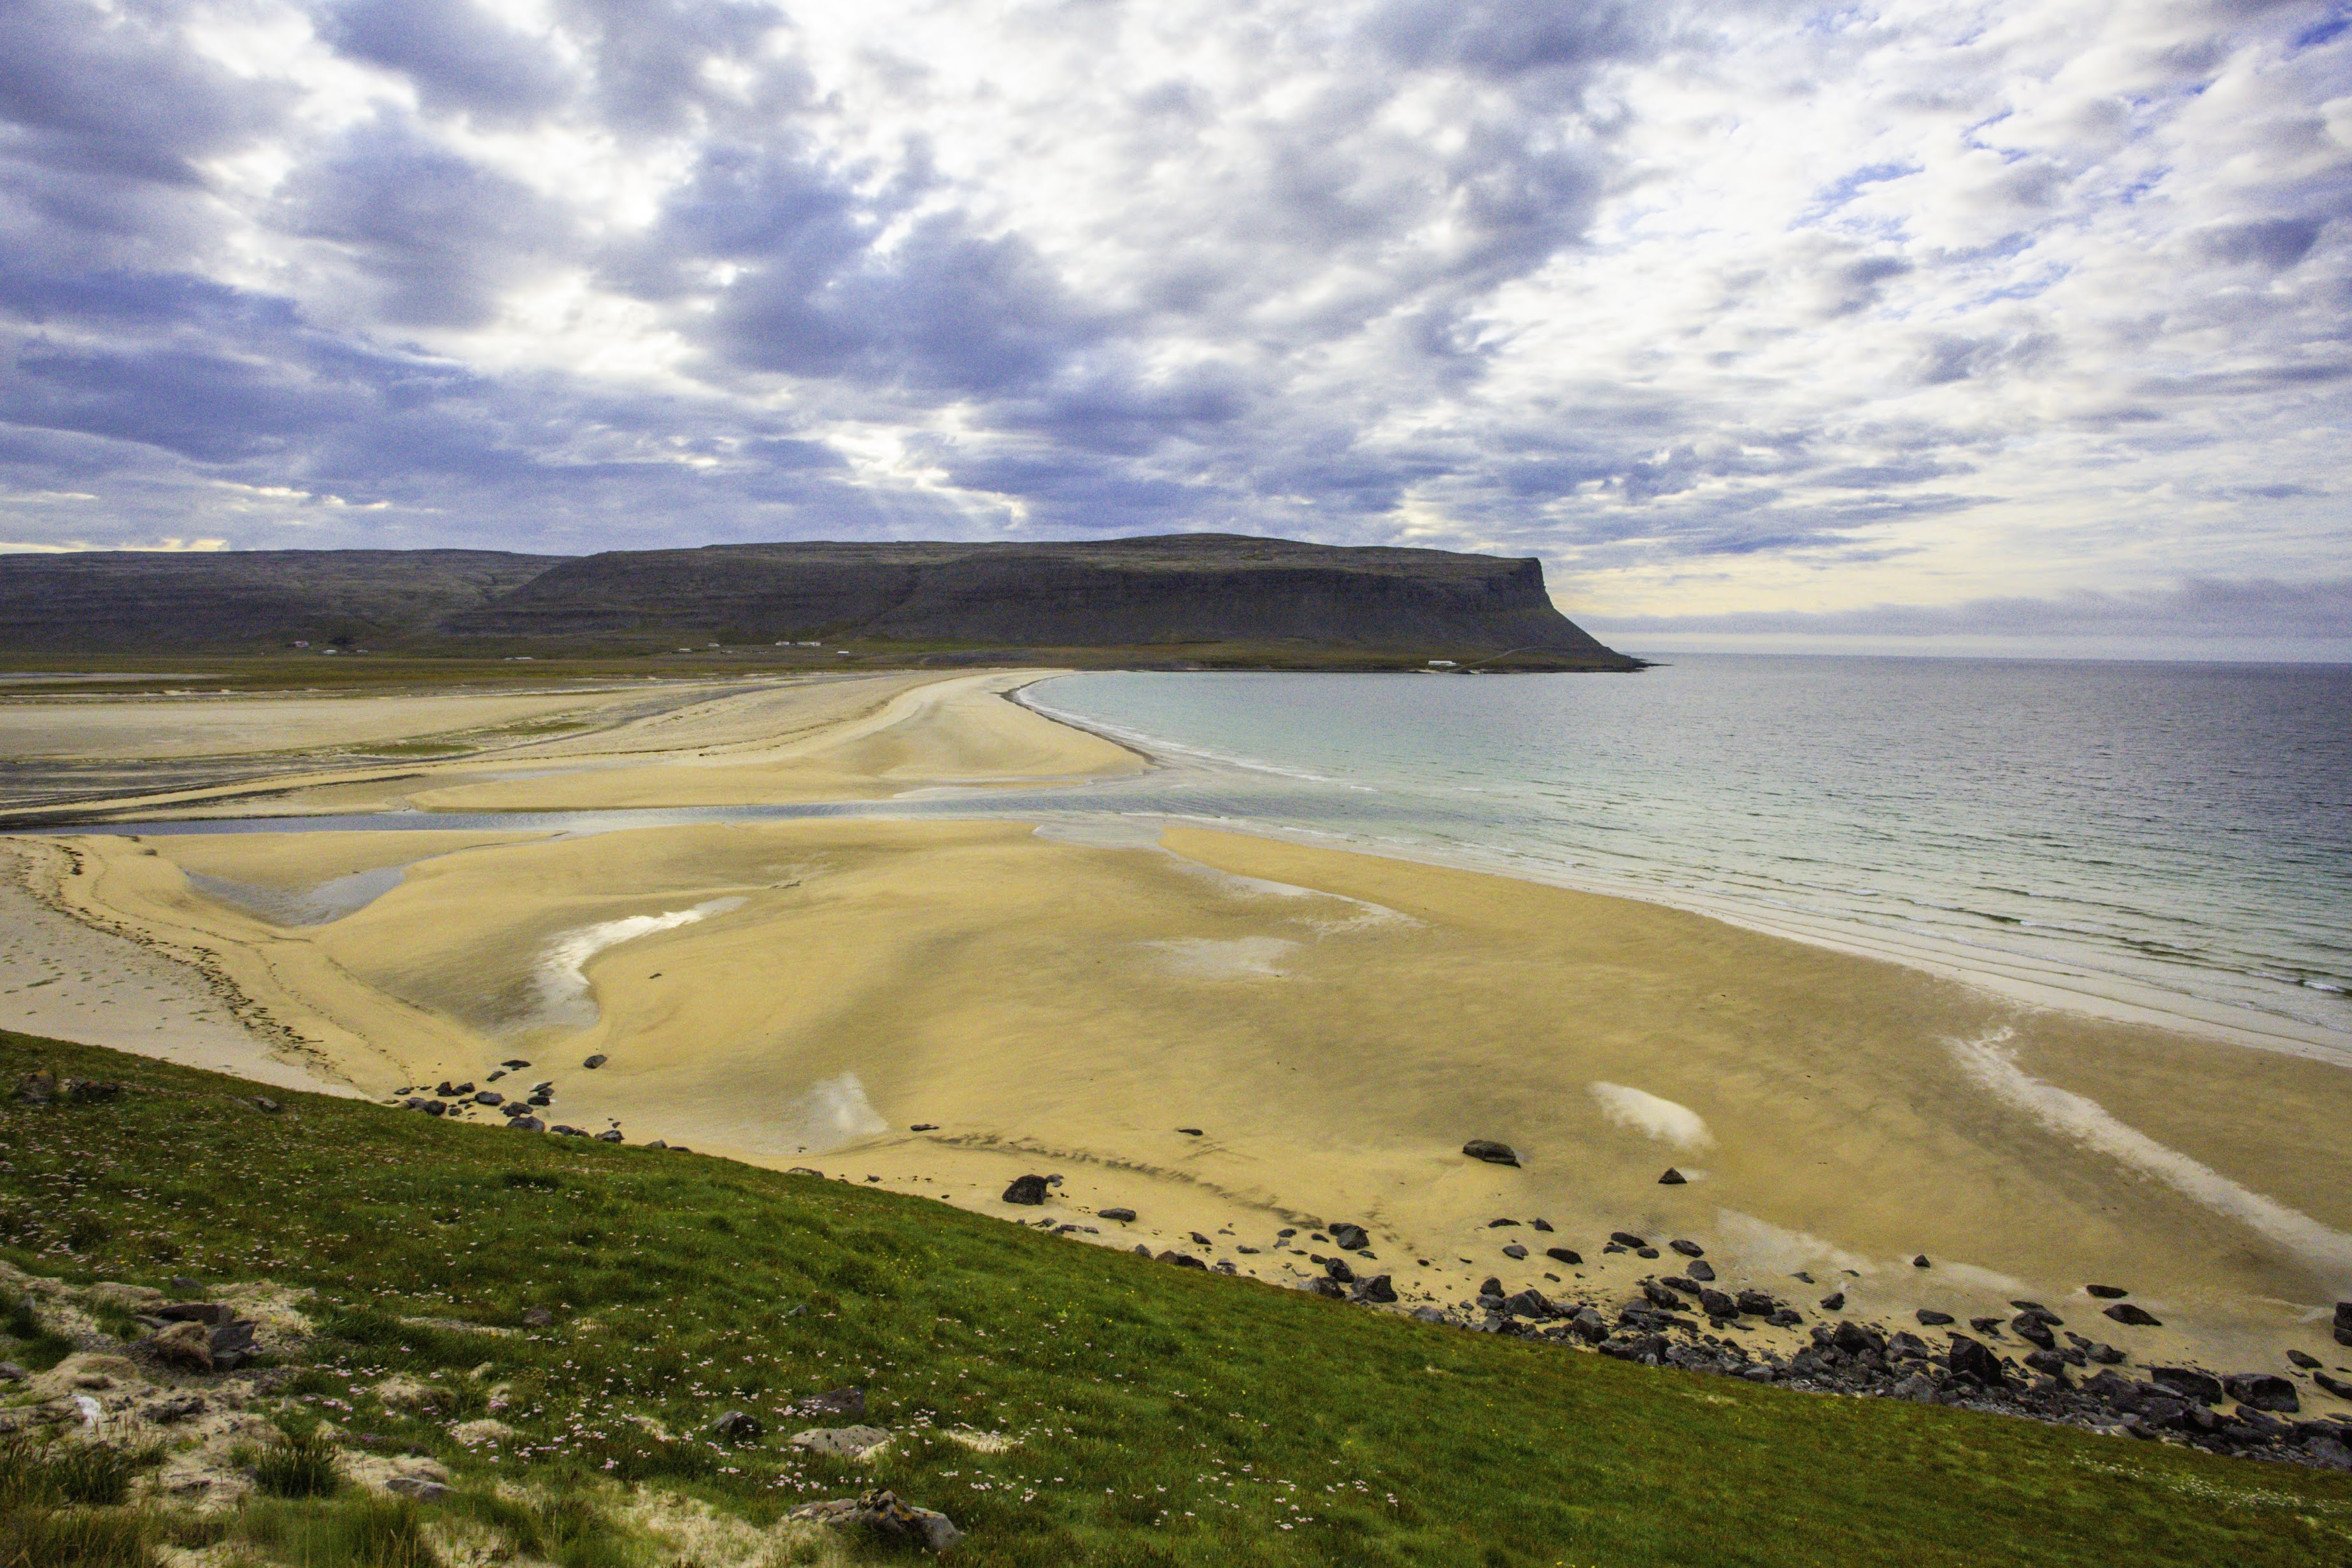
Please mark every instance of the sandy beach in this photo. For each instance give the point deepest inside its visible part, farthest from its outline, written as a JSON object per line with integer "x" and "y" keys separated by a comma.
{"x": 1230, "y": 1036}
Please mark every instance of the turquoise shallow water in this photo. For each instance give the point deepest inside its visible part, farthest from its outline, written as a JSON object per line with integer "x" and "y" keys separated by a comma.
{"x": 2170, "y": 835}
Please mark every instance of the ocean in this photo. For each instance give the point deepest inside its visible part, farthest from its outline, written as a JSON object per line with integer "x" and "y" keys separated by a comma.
{"x": 2155, "y": 837}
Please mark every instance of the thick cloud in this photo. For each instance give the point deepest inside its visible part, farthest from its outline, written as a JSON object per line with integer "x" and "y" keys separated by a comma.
{"x": 1724, "y": 309}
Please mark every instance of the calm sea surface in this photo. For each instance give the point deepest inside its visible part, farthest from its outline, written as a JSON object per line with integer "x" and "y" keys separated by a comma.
{"x": 2172, "y": 835}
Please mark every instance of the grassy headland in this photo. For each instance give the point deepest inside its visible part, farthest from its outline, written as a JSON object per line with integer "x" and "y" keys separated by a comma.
{"x": 1156, "y": 1415}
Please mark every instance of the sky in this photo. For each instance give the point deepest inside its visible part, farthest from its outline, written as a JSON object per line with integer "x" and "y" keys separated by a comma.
{"x": 1953, "y": 326}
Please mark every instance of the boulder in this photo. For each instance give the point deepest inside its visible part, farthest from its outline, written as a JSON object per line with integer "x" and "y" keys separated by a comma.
{"x": 1028, "y": 1189}
{"x": 1376, "y": 1289}
{"x": 1336, "y": 1268}
{"x": 1689, "y": 1287}
{"x": 609, "y": 1135}
{"x": 1976, "y": 1362}
{"x": 1542, "y": 1225}
{"x": 1323, "y": 1285}
{"x": 1756, "y": 1303}
{"x": 736, "y": 1426}
{"x": 1627, "y": 1238}
{"x": 1351, "y": 1237}
{"x": 1933, "y": 1318}
{"x": 528, "y": 1125}
{"x": 844, "y": 1442}
{"x": 2029, "y": 1327}
{"x": 1183, "y": 1260}
{"x": 884, "y": 1513}
{"x": 1118, "y": 1214}
{"x": 2104, "y": 1354}
{"x": 489, "y": 1097}
{"x": 424, "y": 1489}
{"x": 1673, "y": 1177}
{"x": 1491, "y": 1286}
{"x": 1703, "y": 1271}
{"x": 1514, "y": 1251}
{"x": 1493, "y": 1153}
{"x": 188, "y": 1345}
{"x": 1658, "y": 1296}
{"x": 596, "y": 1062}
{"x": 1588, "y": 1325}
{"x": 2138, "y": 1317}
{"x": 2298, "y": 1358}
{"x": 2336, "y": 1385}
{"x": 2262, "y": 1391}
{"x": 924, "y": 1128}
{"x": 1495, "y": 1224}
{"x": 1529, "y": 1303}
{"x": 1718, "y": 1305}
{"x": 1688, "y": 1249}
{"x": 1919, "y": 1388}
{"x": 2189, "y": 1382}
{"x": 1190, "y": 1132}
{"x": 1855, "y": 1339}
{"x": 1834, "y": 1302}
{"x": 2106, "y": 1292}
{"x": 2344, "y": 1323}
{"x": 847, "y": 1401}
{"x": 1568, "y": 1256}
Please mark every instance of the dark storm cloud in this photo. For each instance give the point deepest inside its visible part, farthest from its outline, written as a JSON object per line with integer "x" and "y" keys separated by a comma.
{"x": 459, "y": 56}
{"x": 439, "y": 236}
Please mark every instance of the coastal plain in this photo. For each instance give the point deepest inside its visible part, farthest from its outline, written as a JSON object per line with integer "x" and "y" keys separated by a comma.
{"x": 1233, "y": 1037}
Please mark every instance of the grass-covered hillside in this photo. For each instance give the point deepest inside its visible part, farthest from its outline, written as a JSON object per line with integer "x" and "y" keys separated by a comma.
{"x": 1154, "y": 1415}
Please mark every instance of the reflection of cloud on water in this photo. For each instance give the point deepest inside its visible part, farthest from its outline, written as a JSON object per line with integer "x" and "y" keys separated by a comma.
{"x": 1645, "y": 1112}
{"x": 1987, "y": 1060}
{"x": 833, "y": 1112}
{"x": 561, "y": 977}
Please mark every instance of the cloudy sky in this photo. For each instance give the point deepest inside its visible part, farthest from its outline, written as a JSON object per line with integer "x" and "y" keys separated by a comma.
{"x": 1982, "y": 318}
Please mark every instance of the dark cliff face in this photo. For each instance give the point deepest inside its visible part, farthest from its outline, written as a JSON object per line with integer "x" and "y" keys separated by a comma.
{"x": 136, "y": 600}
{"x": 1177, "y": 592}
{"x": 1188, "y": 588}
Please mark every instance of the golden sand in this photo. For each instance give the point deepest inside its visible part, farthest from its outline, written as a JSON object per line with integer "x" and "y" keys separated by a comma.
{"x": 1335, "y": 1025}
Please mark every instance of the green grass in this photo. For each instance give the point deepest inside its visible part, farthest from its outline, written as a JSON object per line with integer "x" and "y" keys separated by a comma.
{"x": 299, "y": 1464}
{"x": 1163, "y": 1415}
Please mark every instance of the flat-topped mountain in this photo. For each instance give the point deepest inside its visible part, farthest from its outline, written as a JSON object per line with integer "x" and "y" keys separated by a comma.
{"x": 1217, "y": 595}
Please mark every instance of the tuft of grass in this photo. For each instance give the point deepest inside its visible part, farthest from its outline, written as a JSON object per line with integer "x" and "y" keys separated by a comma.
{"x": 36, "y": 1474}
{"x": 37, "y": 1347}
{"x": 360, "y": 1531}
{"x": 570, "y": 1530}
{"x": 298, "y": 1464}
{"x": 76, "y": 1538}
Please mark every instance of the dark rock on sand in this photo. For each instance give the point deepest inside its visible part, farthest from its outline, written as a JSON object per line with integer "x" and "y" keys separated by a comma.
{"x": 2029, "y": 1327}
{"x": 2189, "y": 1382}
{"x": 1834, "y": 1302}
{"x": 924, "y": 1128}
{"x": 1351, "y": 1237}
{"x": 1120, "y": 1214}
{"x": 1673, "y": 1177}
{"x": 1325, "y": 1286}
{"x": 1934, "y": 1319}
{"x": 1338, "y": 1269}
{"x": 1491, "y": 1286}
{"x": 2298, "y": 1358}
{"x": 2107, "y": 1292}
{"x": 1028, "y": 1189}
{"x": 1688, "y": 1249}
{"x": 1183, "y": 1260}
{"x": 1678, "y": 1283}
{"x": 1659, "y": 1296}
{"x": 1715, "y": 1304}
{"x": 1756, "y": 1303}
{"x": 596, "y": 1060}
{"x": 1921, "y": 1263}
{"x": 1514, "y": 1251}
{"x": 1496, "y": 1224}
{"x": 2344, "y": 1323}
{"x": 1855, "y": 1339}
{"x": 1701, "y": 1271}
{"x": 528, "y": 1125}
{"x": 2138, "y": 1317}
{"x": 489, "y": 1097}
{"x": 1573, "y": 1259}
{"x": 1491, "y": 1152}
{"x": 1626, "y": 1239}
{"x": 1190, "y": 1132}
{"x": 2336, "y": 1385}
{"x": 1376, "y": 1289}
{"x": 1530, "y": 1303}
{"x": 2262, "y": 1391}
{"x": 1975, "y": 1362}
{"x": 1542, "y": 1225}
